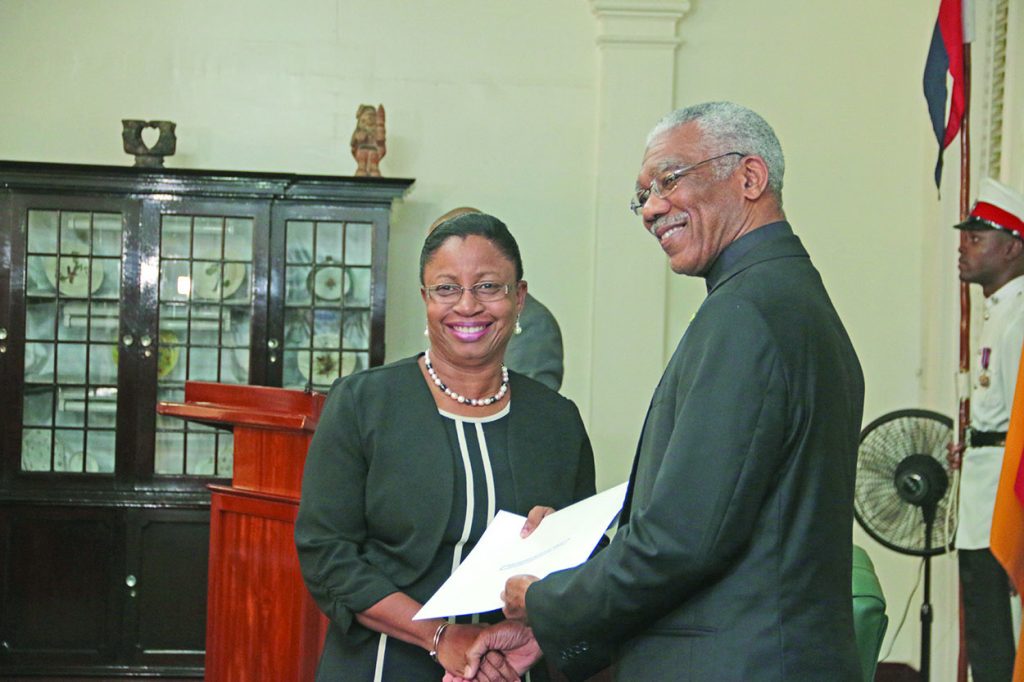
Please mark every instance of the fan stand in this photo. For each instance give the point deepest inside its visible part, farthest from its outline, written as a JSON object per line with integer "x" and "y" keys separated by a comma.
{"x": 922, "y": 481}
{"x": 926, "y": 604}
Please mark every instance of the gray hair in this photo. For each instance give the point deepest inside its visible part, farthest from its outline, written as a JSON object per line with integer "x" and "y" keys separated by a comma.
{"x": 729, "y": 127}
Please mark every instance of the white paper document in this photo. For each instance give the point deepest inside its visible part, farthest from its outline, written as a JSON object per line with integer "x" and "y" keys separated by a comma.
{"x": 563, "y": 539}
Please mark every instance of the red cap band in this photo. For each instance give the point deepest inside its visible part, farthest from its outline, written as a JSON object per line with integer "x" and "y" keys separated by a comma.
{"x": 994, "y": 214}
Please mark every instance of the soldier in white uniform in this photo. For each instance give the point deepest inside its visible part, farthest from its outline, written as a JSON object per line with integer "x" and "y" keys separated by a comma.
{"x": 992, "y": 256}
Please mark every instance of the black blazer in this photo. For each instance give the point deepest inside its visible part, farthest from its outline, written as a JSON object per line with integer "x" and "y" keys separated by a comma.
{"x": 733, "y": 559}
{"x": 378, "y": 480}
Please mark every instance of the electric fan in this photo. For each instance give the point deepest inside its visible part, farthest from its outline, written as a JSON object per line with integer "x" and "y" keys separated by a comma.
{"x": 903, "y": 486}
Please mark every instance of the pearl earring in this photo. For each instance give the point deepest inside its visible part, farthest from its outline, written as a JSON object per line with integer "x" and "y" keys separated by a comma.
{"x": 519, "y": 328}
{"x": 426, "y": 331}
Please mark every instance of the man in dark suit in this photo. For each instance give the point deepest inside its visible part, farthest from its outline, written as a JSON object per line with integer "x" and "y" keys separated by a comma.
{"x": 732, "y": 560}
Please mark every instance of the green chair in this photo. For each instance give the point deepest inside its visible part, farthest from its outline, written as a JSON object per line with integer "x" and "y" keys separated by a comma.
{"x": 869, "y": 619}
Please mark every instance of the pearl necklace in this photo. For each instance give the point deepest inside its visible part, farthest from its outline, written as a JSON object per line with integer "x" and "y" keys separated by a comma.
{"x": 475, "y": 402}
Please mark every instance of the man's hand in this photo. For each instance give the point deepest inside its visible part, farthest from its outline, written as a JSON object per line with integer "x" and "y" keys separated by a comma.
{"x": 453, "y": 653}
{"x": 514, "y": 596}
{"x": 510, "y": 639}
{"x": 533, "y": 519}
{"x": 955, "y": 455}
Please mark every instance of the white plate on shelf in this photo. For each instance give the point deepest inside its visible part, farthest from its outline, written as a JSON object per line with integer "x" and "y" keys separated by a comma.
{"x": 69, "y": 274}
{"x": 330, "y": 283}
{"x": 74, "y": 464}
{"x": 327, "y": 363}
{"x": 213, "y": 281}
{"x": 35, "y": 451}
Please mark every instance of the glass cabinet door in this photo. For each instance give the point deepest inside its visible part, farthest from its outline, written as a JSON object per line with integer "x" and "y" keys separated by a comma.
{"x": 206, "y": 301}
{"x": 72, "y": 286}
{"x": 327, "y": 301}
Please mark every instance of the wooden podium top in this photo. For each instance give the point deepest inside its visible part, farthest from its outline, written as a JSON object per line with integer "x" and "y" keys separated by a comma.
{"x": 272, "y": 430}
{"x": 229, "y": 405}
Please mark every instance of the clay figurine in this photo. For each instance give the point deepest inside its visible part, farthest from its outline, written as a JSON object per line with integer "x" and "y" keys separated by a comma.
{"x": 368, "y": 145}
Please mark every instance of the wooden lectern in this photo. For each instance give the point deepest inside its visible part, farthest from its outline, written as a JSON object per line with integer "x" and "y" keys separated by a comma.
{"x": 261, "y": 623}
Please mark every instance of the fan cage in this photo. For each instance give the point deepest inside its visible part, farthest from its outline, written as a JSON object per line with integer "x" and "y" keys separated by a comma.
{"x": 878, "y": 507}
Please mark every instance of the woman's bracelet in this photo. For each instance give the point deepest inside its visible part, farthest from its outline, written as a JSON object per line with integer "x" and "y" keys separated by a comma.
{"x": 437, "y": 639}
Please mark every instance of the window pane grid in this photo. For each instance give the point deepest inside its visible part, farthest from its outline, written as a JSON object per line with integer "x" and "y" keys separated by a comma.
{"x": 205, "y": 300}
{"x": 327, "y": 301}
{"x": 73, "y": 285}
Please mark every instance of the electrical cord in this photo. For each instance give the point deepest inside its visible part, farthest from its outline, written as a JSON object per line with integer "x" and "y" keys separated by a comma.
{"x": 906, "y": 610}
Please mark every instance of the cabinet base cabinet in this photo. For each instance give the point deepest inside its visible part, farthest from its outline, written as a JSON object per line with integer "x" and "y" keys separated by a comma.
{"x": 110, "y": 591}
{"x": 58, "y": 606}
{"x": 169, "y": 628}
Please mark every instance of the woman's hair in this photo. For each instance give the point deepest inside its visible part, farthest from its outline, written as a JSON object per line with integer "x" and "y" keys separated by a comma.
{"x": 729, "y": 127}
{"x": 466, "y": 224}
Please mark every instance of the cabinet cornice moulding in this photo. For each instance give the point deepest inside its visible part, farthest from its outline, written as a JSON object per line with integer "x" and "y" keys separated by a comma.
{"x": 647, "y": 23}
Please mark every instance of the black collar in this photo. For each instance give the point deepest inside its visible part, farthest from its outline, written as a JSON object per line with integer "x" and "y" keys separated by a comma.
{"x": 741, "y": 247}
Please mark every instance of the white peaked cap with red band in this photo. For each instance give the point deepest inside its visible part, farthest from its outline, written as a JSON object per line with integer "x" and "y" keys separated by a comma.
{"x": 998, "y": 208}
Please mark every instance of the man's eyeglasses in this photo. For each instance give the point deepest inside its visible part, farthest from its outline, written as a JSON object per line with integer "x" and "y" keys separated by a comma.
{"x": 485, "y": 292}
{"x": 667, "y": 183}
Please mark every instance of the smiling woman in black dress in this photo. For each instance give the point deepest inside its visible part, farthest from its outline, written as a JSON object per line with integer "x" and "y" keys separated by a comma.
{"x": 412, "y": 460}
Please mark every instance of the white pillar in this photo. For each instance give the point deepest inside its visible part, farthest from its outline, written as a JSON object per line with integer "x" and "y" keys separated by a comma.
{"x": 636, "y": 43}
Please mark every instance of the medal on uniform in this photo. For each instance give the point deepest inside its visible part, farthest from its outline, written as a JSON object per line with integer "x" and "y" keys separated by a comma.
{"x": 986, "y": 353}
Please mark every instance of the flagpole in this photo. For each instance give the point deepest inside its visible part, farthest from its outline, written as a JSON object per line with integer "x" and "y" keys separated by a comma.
{"x": 965, "y": 309}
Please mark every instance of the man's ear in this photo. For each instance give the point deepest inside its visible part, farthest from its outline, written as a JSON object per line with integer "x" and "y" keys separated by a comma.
{"x": 755, "y": 176}
{"x": 1015, "y": 249}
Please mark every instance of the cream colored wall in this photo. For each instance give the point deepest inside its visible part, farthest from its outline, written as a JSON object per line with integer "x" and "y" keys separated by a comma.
{"x": 500, "y": 105}
{"x": 486, "y": 107}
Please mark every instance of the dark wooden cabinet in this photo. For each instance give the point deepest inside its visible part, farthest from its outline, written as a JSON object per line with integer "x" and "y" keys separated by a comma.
{"x": 118, "y": 285}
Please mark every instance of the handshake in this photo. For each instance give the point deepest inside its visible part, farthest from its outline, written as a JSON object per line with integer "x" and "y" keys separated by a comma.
{"x": 496, "y": 653}
{"x": 500, "y": 652}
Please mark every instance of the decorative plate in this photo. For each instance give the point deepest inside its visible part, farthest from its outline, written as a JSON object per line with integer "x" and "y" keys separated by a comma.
{"x": 212, "y": 281}
{"x": 72, "y": 278}
{"x": 330, "y": 283}
{"x": 35, "y": 450}
{"x": 168, "y": 354}
{"x": 327, "y": 363}
{"x": 74, "y": 463}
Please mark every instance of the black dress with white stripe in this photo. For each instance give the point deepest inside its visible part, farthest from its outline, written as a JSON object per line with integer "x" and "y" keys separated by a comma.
{"x": 483, "y": 485}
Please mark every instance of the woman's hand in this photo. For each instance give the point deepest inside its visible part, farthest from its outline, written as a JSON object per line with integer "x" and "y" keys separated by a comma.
{"x": 533, "y": 519}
